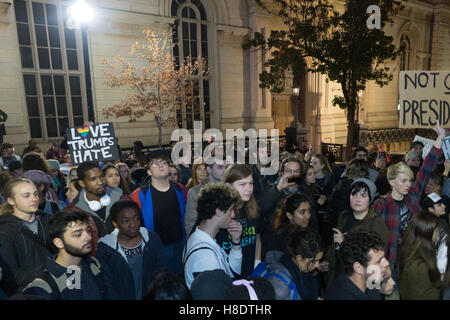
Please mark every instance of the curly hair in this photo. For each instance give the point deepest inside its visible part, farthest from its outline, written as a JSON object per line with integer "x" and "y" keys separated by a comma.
{"x": 356, "y": 247}
{"x": 215, "y": 196}
{"x": 357, "y": 168}
{"x": 34, "y": 161}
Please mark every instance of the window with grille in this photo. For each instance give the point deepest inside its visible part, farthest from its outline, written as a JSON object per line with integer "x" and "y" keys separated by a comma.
{"x": 52, "y": 65}
{"x": 191, "y": 40}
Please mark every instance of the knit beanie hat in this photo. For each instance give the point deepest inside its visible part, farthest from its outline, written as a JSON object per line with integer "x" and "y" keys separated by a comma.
{"x": 370, "y": 185}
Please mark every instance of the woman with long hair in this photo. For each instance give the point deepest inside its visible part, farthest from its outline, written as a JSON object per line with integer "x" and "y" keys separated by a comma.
{"x": 419, "y": 275}
{"x": 114, "y": 179}
{"x": 239, "y": 177}
{"x": 293, "y": 213}
{"x": 291, "y": 272}
{"x": 125, "y": 174}
{"x": 199, "y": 173}
{"x": 309, "y": 182}
{"x": 324, "y": 176}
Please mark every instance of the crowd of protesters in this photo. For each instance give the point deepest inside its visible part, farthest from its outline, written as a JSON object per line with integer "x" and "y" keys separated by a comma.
{"x": 144, "y": 228}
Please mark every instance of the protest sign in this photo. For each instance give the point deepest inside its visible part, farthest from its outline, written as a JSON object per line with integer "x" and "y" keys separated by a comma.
{"x": 446, "y": 147}
{"x": 424, "y": 99}
{"x": 427, "y": 145}
{"x": 96, "y": 142}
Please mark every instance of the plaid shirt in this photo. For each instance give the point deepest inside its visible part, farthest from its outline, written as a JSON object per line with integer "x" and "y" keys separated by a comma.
{"x": 389, "y": 210}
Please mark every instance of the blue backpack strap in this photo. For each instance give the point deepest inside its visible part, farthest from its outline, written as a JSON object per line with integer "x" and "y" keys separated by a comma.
{"x": 283, "y": 276}
{"x": 263, "y": 270}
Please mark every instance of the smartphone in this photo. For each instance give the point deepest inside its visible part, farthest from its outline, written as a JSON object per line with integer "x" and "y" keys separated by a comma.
{"x": 297, "y": 180}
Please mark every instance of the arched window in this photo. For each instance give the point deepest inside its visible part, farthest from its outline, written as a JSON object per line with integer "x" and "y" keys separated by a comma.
{"x": 405, "y": 56}
{"x": 191, "y": 40}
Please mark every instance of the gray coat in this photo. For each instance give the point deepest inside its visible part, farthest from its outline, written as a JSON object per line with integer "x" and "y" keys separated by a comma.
{"x": 190, "y": 216}
{"x": 104, "y": 226}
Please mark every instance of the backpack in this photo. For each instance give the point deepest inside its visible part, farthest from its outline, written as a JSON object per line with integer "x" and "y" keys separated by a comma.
{"x": 187, "y": 255}
{"x": 264, "y": 271}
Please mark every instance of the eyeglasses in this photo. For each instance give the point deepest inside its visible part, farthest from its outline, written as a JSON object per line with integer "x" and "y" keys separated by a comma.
{"x": 157, "y": 163}
{"x": 292, "y": 171}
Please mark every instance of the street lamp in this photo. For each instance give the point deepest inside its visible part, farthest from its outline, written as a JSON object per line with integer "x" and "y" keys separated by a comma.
{"x": 295, "y": 98}
{"x": 80, "y": 12}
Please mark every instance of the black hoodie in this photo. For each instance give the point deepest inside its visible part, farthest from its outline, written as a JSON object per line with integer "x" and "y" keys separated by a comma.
{"x": 24, "y": 252}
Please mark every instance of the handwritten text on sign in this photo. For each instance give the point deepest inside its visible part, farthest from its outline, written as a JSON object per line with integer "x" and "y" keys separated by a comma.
{"x": 424, "y": 99}
{"x": 92, "y": 143}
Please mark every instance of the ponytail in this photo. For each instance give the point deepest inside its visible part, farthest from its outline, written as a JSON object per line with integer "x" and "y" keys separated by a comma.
{"x": 8, "y": 192}
{"x": 6, "y": 208}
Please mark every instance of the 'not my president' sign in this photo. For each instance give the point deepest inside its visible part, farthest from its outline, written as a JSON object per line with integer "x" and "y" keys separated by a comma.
{"x": 96, "y": 142}
{"x": 424, "y": 99}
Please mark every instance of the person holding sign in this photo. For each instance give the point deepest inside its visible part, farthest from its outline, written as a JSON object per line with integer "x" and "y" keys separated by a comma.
{"x": 402, "y": 203}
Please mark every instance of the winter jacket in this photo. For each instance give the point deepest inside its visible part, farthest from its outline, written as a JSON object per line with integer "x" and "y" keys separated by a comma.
{"x": 191, "y": 206}
{"x": 415, "y": 284}
{"x": 103, "y": 226}
{"x": 59, "y": 283}
{"x": 7, "y": 281}
{"x": 24, "y": 252}
{"x": 344, "y": 289}
{"x": 389, "y": 210}
{"x": 144, "y": 200}
{"x": 371, "y": 223}
{"x": 307, "y": 286}
{"x": 117, "y": 273}
{"x": 328, "y": 184}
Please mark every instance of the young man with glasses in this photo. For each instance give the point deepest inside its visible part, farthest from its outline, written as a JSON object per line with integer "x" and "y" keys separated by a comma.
{"x": 163, "y": 209}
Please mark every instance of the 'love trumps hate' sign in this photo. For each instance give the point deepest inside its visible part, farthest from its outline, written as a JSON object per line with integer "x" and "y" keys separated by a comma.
{"x": 92, "y": 143}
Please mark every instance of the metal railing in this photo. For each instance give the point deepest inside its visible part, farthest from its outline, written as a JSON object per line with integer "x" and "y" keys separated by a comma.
{"x": 397, "y": 135}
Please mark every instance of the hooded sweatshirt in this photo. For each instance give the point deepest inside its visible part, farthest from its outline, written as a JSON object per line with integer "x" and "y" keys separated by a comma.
{"x": 129, "y": 278}
{"x": 24, "y": 252}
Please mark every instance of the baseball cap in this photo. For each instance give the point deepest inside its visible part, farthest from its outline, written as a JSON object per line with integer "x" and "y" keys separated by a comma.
{"x": 54, "y": 164}
{"x": 431, "y": 200}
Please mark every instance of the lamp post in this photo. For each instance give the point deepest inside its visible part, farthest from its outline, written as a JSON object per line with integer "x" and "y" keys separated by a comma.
{"x": 295, "y": 102}
{"x": 80, "y": 14}
{"x": 295, "y": 133}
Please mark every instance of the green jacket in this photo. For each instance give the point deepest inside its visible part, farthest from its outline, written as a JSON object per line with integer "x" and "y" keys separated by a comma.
{"x": 371, "y": 223}
{"x": 415, "y": 284}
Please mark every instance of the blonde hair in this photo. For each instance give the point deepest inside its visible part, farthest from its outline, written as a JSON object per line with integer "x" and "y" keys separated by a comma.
{"x": 8, "y": 192}
{"x": 324, "y": 161}
{"x": 237, "y": 172}
{"x": 400, "y": 167}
